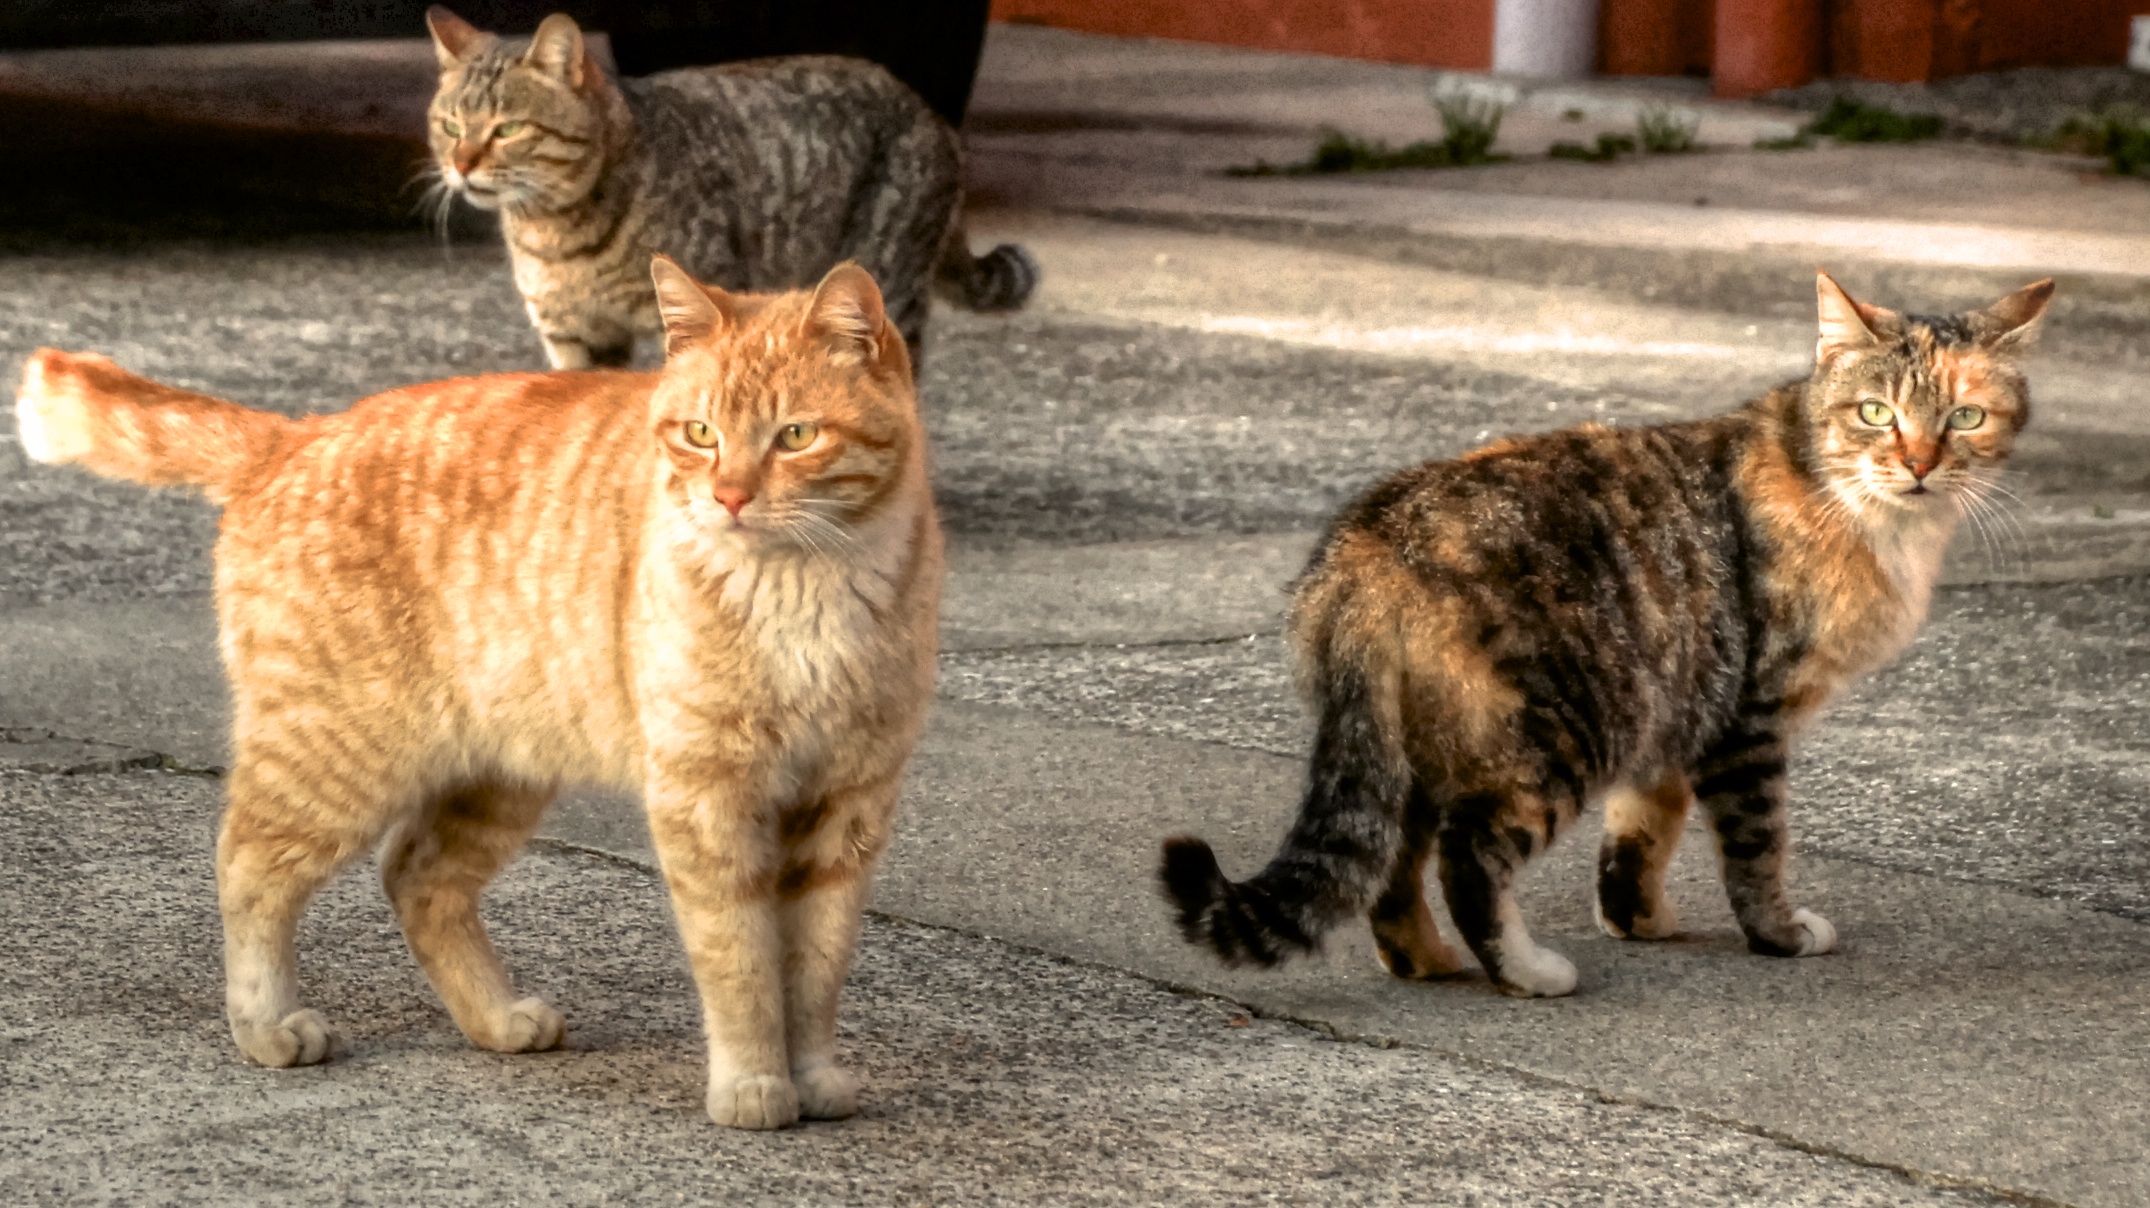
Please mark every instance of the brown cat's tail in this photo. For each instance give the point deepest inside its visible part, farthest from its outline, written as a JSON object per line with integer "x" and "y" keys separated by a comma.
{"x": 1337, "y": 857}
{"x": 1002, "y": 279}
{"x": 81, "y": 409}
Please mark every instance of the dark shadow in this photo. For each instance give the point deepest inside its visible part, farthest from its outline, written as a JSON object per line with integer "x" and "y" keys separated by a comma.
{"x": 80, "y": 174}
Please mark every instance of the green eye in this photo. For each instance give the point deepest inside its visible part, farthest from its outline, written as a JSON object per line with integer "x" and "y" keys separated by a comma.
{"x": 1877, "y": 413}
{"x": 795, "y": 437}
{"x": 510, "y": 129}
{"x": 451, "y": 129}
{"x": 700, "y": 435}
{"x": 1963, "y": 419}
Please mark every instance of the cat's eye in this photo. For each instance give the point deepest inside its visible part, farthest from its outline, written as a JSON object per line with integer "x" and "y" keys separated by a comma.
{"x": 794, "y": 437}
{"x": 510, "y": 129}
{"x": 1963, "y": 419}
{"x": 451, "y": 129}
{"x": 699, "y": 434}
{"x": 1877, "y": 413}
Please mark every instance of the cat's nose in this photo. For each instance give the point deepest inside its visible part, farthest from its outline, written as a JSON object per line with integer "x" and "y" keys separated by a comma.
{"x": 734, "y": 498}
{"x": 1920, "y": 464}
{"x": 465, "y": 157}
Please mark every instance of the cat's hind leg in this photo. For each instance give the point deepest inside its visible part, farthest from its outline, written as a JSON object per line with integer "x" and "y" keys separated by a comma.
{"x": 1407, "y": 941}
{"x": 287, "y": 829}
{"x": 434, "y": 867}
{"x": 1642, "y": 829}
{"x": 1484, "y": 841}
{"x": 1741, "y": 782}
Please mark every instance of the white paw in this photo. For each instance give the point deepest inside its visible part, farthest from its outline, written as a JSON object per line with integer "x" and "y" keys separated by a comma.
{"x": 302, "y": 1038}
{"x": 826, "y": 1092}
{"x": 757, "y": 1101}
{"x": 1538, "y": 973}
{"x": 530, "y": 1026}
{"x": 1820, "y": 937}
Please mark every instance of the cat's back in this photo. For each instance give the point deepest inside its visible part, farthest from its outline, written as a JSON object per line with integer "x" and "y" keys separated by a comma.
{"x": 795, "y": 107}
{"x": 423, "y": 471}
{"x": 1560, "y": 504}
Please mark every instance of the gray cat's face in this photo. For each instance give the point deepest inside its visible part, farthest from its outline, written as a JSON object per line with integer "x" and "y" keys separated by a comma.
{"x": 515, "y": 126}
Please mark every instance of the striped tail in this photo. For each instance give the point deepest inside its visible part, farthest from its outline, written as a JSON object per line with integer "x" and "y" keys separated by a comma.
{"x": 1002, "y": 279}
{"x": 1335, "y": 861}
{"x": 81, "y": 409}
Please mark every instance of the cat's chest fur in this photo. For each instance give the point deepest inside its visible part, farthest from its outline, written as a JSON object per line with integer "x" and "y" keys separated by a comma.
{"x": 799, "y": 645}
{"x": 1871, "y": 608}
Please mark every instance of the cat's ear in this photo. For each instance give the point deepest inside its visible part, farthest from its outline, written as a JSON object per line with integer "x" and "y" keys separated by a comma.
{"x": 692, "y": 312}
{"x": 1846, "y": 323}
{"x": 453, "y": 37}
{"x": 2011, "y": 324}
{"x": 556, "y": 49}
{"x": 848, "y": 311}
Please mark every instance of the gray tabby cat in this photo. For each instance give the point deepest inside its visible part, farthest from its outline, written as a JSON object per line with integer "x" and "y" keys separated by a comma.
{"x": 753, "y": 176}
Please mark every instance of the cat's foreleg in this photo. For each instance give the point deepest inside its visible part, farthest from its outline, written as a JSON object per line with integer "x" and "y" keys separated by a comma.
{"x": 1407, "y": 941}
{"x": 1741, "y": 783}
{"x": 828, "y": 871}
{"x": 280, "y": 842}
{"x": 434, "y": 867}
{"x": 1642, "y": 829}
{"x": 563, "y": 352}
{"x": 718, "y": 849}
{"x": 1480, "y": 857}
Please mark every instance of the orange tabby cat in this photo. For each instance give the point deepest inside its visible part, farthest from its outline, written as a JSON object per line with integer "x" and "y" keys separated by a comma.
{"x": 717, "y": 584}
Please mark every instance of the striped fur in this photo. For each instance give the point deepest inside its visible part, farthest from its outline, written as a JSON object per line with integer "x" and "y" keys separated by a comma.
{"x": 441, "y": 605}
{"x": 1643, "y": 616}
{"x": 754, "y": 176}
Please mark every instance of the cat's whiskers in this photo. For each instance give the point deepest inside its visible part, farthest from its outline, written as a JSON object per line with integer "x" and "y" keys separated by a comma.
{"x": 1994, "y": 504}
{"x": 1993, "y": 526}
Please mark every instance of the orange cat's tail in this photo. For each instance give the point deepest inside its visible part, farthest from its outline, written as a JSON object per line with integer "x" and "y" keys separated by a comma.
{"x": 82, "y": 409}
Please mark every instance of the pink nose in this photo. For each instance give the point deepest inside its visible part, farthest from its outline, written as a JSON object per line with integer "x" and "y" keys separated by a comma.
{"x": 1920, "y": 467}
{"x": 734, "y": 498}
{"x": 466, "y": 157}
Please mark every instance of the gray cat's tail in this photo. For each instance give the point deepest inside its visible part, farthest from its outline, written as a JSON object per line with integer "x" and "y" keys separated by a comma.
{"x": 1002, "y": 279}
{"x": 1336, "y": 858}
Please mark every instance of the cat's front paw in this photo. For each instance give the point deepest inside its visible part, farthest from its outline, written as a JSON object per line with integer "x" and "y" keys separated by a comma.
{"x": 300, "y": 1038}
{"x": 1537, "y": 973}
{"x": 759, "y": 1101}
{"x": 529, "y": 1026}
{"x": 826, "y": 1092}
{"x": 1819, "y": 935}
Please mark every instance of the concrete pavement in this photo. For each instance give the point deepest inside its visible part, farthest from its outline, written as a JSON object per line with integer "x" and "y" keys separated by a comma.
{"x": 1130, "y": 470}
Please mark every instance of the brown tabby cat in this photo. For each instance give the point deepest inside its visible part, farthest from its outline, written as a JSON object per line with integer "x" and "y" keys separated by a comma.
{"x": 1644, "y": 615}
{"x": 756, "y": 175}
{"x": 717, "y": 584}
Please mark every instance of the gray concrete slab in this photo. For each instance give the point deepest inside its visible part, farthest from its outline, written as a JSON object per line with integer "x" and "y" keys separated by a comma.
{"x": 994, "y": 1074}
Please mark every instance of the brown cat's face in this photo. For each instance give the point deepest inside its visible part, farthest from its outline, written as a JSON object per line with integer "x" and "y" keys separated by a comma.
{"x": 513, "y": 127}
{"x": 783, "y": 419}
{"x": 1910, "y": 412}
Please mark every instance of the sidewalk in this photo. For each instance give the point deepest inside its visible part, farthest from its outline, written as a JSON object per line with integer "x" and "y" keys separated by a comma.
{"x": 1130, "y": 470}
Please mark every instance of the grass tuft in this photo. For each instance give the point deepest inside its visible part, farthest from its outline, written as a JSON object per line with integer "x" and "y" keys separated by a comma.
{"x": 1667, "y": 130}
{"x": 1470, "y": 122}
{"x": 2120, "y": 134}
{"x": 1850, "y": 121}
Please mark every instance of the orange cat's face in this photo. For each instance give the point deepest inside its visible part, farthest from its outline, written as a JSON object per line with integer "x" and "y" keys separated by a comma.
{"x": 798, "y": 444}
{"x": 1915, "y": 411}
